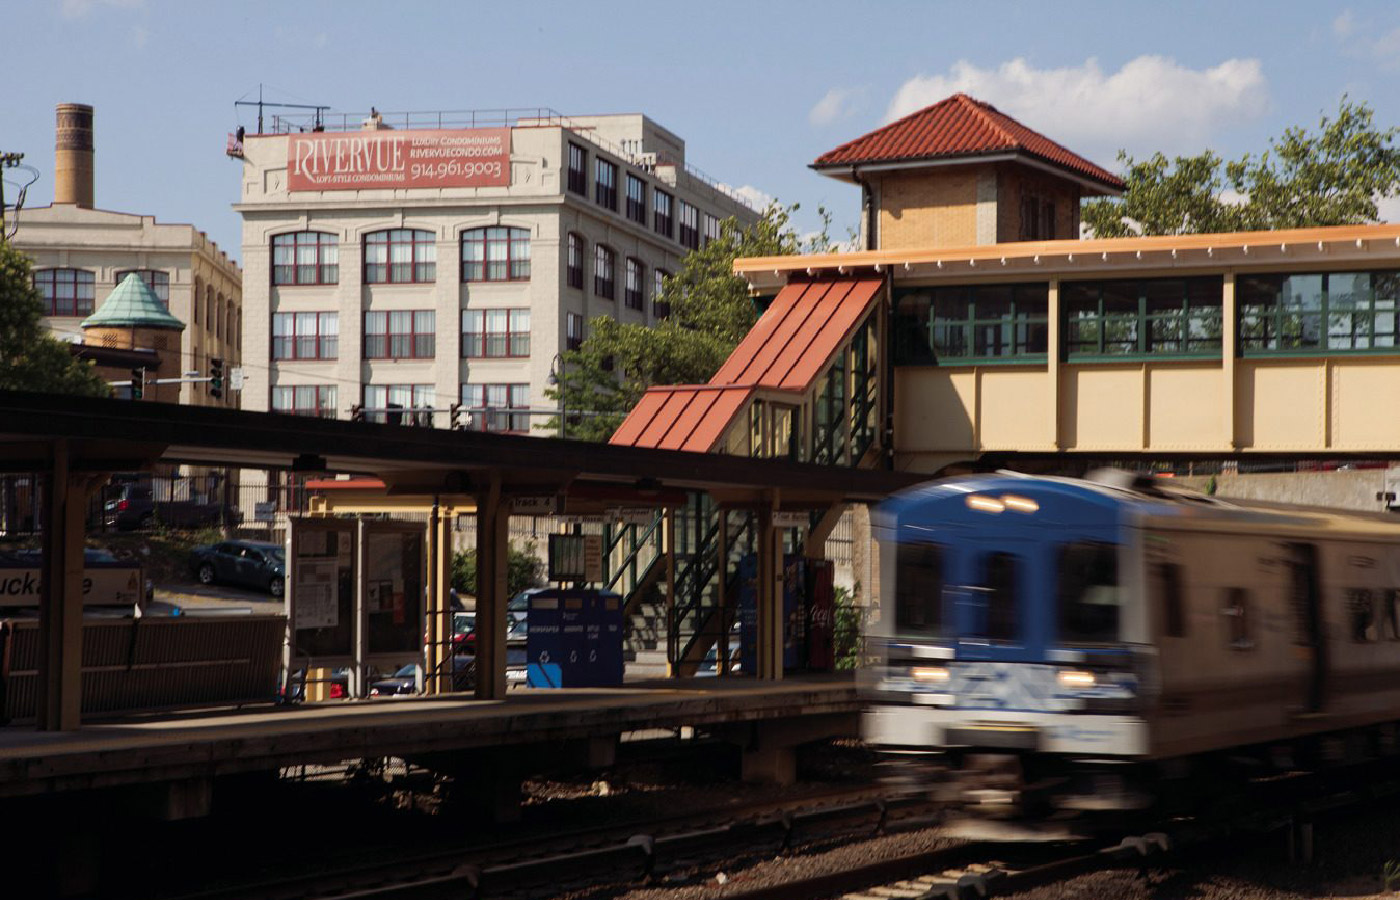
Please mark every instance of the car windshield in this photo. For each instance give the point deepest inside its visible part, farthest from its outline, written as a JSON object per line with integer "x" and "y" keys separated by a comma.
{"x": 408, "y": 671}
{"x": 274, "y": 554}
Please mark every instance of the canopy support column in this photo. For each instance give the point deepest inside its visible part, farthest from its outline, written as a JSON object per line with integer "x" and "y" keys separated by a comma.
{"x": 60, "y": 684}
{"x": 492, "y": 587}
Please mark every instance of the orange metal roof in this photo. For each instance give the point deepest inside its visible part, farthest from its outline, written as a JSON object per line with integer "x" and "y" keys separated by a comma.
{"x": 786, "y": 350}
{"x": 799, "y": 332}
{"x": 959, "y": 126}
{"x": 681, "y": 417}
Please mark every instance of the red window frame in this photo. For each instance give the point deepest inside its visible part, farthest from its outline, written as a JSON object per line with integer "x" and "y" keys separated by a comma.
{"x": 78, "y": 297}
{"x": 421, "y": 267}
{"x": 385, "y": 341}
{"x": 293, "y": 248}
{"x": 513, "y": 245}
{"x": 481, "y": 341}
{"x": 155, "y": 279}
{"x": 324, "y": 394}
{"x": 498, "y": 407}
{"x": 291, "y": 343}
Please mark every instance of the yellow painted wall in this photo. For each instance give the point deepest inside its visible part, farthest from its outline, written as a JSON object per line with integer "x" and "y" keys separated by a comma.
{"x": 1280, "y": 404}
{"x": 923, "y": 210}
{"x": 1015, "y": 410}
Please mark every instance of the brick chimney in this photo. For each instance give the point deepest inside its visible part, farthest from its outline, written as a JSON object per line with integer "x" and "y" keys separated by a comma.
{"x": 72, "y": 164}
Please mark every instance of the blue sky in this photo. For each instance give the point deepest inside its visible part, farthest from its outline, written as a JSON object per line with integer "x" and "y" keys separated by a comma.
{"x": 756, "y": 89}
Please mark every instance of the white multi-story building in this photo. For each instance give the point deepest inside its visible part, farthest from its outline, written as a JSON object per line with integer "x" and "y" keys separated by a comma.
{"x": 421, "y": 262}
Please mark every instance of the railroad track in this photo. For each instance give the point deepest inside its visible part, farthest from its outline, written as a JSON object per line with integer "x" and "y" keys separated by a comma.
{"x": 635, "y": 851}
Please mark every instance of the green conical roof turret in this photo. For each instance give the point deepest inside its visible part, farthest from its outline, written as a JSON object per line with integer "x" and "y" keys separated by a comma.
{"x": 132, "y": 304}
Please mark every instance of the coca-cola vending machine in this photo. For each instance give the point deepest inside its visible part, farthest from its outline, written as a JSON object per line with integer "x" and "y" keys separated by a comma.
{"x": 821, "y": 615}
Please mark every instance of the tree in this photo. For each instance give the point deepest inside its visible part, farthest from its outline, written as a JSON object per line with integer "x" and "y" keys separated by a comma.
{"x": 30, "y": 358}
{"x": 1334, "y": 177}
{"x": 523, "y": 570}
{"x": 710, "y": 311}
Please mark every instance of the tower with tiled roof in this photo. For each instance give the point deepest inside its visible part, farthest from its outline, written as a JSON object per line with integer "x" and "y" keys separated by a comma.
{"x": 961, "y": 173}
{"x": 133, "y": 318}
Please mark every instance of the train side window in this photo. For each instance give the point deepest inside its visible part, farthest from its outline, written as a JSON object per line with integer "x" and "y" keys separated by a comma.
{"x": 1236, "y": 613}
{"x": 918, "y": 598}
{"x": 1001, "y": 597}
{"x": 1361, "y": 615}
{"x": 1088, "y": 592}
{"x": 1168, "y": 585}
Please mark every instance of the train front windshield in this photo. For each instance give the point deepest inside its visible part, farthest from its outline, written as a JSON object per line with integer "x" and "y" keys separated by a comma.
{"x": 1030, "y": 596}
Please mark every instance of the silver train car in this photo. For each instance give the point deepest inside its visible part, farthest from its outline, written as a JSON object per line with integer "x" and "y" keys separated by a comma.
{"x": 1060, "y": 645}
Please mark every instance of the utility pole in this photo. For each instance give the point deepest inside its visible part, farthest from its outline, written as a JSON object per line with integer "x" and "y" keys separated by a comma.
{"x": 7, "y": 161}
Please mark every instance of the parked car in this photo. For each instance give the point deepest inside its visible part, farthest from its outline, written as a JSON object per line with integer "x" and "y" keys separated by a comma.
{"x": 406, "y": 680}
{"x": 255, "y": 564}
{"x": 132, "y": 505}
{"x": 337, "y": 686}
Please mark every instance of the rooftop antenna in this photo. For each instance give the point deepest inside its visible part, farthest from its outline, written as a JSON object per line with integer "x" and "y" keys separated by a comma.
{"x": 318, "y": 111}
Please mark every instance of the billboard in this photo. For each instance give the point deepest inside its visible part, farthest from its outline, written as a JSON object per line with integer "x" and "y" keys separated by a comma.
{"x": 348, "y": 161}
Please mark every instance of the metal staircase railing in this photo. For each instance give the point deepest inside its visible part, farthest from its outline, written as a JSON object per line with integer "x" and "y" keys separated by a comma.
{"x": 694, "y": 624}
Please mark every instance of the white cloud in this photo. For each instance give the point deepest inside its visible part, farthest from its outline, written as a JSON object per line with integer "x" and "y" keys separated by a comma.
{"x": 78, "y": 9}
{"x": 1152, "y": 102}
{"x": 754, "y": 197}
{"x": 1344, "y": 25}
{"x": 839, "y": 103}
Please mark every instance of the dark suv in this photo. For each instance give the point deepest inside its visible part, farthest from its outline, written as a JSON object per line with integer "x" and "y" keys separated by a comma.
{"x": 131, "y": 506}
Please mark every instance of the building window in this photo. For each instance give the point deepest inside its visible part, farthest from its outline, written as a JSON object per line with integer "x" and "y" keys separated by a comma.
{"x": 400, "y": 256}
{"x": 1037, "y": 218}
{"x": 662, "y": 221}
{"x": 962, "y": 323}
{"x": 305, "y": 400}
{"x": 157, "y": 281}
{"x": 194, "y": 299}
{"x": 1319, "y": 312}
{"x": 578, "y": 169}
{"x": 401, "y": 334}
{"x": 496, "y": 254}
{"x": 632, "y": 288}
{"x": 636, "y": 199}
{"x": 1179, "y": 316}
{"x": 573, "y": 331}
{"x": 209, "y": 309}
{"x": 690, "y": 226}
{"x": 66, "y": 292}
{"x": 604, "y": 284}
{"x": 574, "y": 269}
{"x": 399, "y": 404}
{"x": 498, "y": 407}
{"x": 605, "y": 184}
{"x": 219, "y": 317}
{"x": 711, "y": 228}
{"x": 659, "y": 308}
{"x": 305, "y": 257}
{"x": 495, "y": 332}
{"x": 305, "y": 335}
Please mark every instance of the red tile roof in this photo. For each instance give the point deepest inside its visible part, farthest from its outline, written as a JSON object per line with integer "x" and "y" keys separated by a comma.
{"x": 960, "y": 126}
{"x": 786, "y": 350}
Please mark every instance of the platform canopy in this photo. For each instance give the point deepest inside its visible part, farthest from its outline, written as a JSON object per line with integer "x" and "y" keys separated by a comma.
{"x": 122, "y": 435}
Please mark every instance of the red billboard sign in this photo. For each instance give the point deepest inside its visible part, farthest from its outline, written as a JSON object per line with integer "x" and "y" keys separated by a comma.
{"x": 477, "y": 157}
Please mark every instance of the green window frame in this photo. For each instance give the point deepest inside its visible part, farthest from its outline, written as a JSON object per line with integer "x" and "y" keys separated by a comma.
{"x": 1152, "y": 317}
{"x": 1319, "y": 312}
{"x": 962, "y": 324}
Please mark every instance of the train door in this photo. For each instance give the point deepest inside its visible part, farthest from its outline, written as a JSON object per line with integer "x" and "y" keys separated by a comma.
{"x": 1305, "y": 598}
{"x": 990, "y": 601}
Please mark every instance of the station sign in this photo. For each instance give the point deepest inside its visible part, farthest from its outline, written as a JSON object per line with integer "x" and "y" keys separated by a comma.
{"x": 358, "y": 160}
{"x": 791, "y": 519}
{"x": 642, "y": 515}
{"x": 535, "y": 506}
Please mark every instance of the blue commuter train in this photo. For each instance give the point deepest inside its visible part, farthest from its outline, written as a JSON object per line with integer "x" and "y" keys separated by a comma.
{"x": 1059, "y": 645}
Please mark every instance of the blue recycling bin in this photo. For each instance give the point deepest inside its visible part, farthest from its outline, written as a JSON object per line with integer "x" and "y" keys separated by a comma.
{"x": 575, "y": 639}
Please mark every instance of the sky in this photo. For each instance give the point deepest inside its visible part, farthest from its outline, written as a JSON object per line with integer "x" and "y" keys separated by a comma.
{"x": 757, "y": 90}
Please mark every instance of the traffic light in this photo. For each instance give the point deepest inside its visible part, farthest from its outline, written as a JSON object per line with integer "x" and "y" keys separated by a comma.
{"x": 456, "y": 418}
{"x": 138, "y": 383}
{"x": 216, "y": 377}
{"x": 357, "y": 413}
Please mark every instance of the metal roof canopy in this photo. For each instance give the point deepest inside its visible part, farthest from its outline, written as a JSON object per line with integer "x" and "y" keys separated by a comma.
{"x": 121, "y": 435}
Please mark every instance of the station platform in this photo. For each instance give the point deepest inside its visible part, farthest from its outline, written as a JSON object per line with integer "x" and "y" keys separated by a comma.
{"x": 766, "y": 718}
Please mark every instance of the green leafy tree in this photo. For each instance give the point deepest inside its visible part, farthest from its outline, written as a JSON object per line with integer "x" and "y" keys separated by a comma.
{"x": 710, "y": 311}
{"x": 523, "y": 570}
{"x": 1333, "y": 177}
{"x": 30, "y": 358}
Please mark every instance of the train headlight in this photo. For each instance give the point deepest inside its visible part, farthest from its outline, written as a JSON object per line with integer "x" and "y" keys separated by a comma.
{"x": 1075, "y": 678}
{"x": 930, "y": 674}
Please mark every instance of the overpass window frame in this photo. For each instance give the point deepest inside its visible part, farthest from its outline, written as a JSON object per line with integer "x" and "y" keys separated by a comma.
{"x": 1309, "y": 313}
{"x": 965, "y": 324}
{"x": 1138, "y": 318}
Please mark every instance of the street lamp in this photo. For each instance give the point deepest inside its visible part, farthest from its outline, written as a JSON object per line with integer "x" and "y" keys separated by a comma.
{"x": 556, "y": 380}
